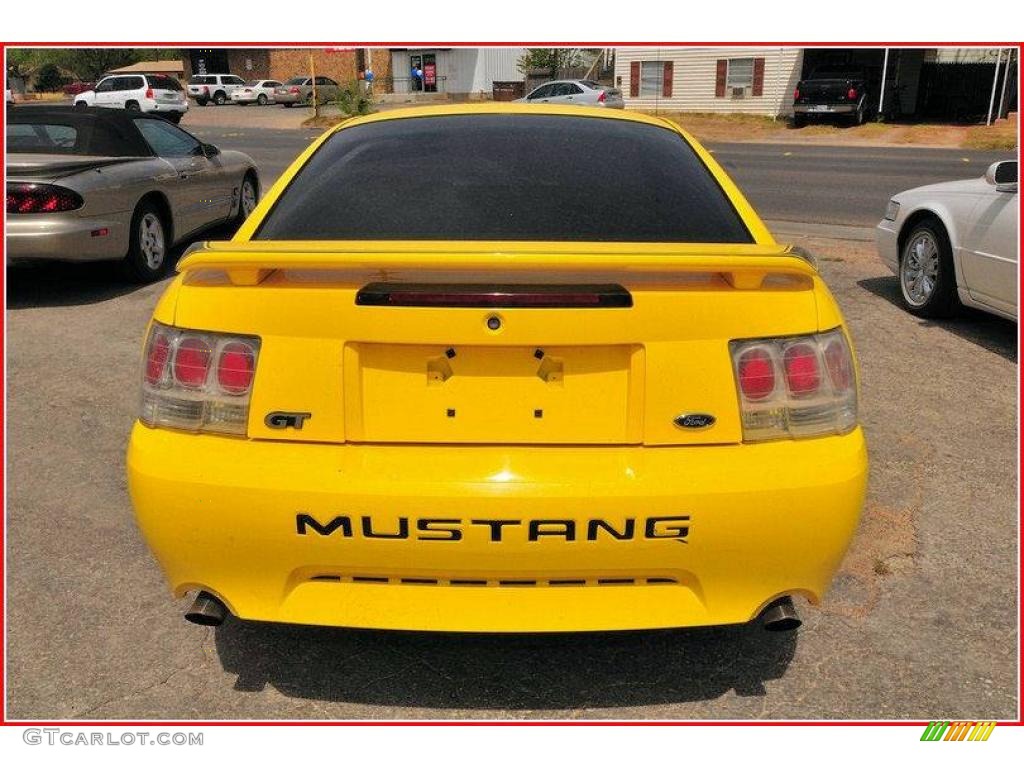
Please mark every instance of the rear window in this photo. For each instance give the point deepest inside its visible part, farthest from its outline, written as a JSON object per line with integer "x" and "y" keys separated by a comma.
{"x": 71, "y": 134}
{"x": 505, "y": 177}
{"x": 47, "y": 138}
{"x": 164, "y": 82}
{"x": 836, "y": 73}
{"x": 202, "y": 80}
{"x": 296, "y": 81}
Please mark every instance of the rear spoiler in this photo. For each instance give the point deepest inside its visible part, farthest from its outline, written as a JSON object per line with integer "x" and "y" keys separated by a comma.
{"x": 743, "y": 266}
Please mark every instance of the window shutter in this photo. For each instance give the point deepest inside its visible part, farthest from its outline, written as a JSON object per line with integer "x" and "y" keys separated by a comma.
{"x": 720, "y": 78}
{"x": 758, "y": 88}
{"x": 666, "y": 83}
{"x": 634, "y": 78}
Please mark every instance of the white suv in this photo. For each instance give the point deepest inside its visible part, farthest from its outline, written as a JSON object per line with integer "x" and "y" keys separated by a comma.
{"x": 215, "y": 88}
{"x": 160, "y": 94}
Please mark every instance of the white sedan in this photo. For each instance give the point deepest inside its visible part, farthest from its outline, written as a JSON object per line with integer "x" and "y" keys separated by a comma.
{"x": 955, "y": 243}
{"x": 255, "y": 92}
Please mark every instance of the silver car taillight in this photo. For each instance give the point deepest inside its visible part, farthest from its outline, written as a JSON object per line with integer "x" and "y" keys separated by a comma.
{"x": 197, "y": 380}
{"x": 795, "y": 386}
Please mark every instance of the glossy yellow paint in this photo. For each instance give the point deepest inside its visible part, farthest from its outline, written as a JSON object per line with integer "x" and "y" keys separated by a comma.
{"x": 765, "y": 520}
{"x": 401, "y": 432}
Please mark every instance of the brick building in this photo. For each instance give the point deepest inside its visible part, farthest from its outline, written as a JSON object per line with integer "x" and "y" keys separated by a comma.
{"x": 340, "y": 64}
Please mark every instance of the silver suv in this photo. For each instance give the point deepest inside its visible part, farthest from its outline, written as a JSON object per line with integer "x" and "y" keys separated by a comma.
{"x": 215, "y": 88}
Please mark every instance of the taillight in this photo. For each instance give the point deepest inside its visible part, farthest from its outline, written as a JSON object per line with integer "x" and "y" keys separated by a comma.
{"x": 157, "y": 352}
{"x": 600, "y": 97}
{"x": 798, "y": 386}
{"x": 198, "y": 381}
{"x": 191, "y": 362}
{"x": 41, "y": 198}
{"x": 149, "y": 93}
{"x": 803, "y": 374}
{"x": 294, "y": 89}
{"x": 235, "y": 367}
{"x": 756, "y": 373}
{"x": 796, "y": 94}
{"x": 851, "y": 94}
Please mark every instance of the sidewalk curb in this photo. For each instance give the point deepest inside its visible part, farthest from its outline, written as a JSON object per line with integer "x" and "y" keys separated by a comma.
{"x": 783, "y": 230}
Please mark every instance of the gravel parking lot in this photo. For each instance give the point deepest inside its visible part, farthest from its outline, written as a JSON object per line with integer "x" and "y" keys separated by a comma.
{"x": 920, "y": 622}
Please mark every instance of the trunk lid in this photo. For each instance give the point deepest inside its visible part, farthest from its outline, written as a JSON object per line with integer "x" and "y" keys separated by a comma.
{"x": 42, "y": 167}
{"x": 339, "y": 339}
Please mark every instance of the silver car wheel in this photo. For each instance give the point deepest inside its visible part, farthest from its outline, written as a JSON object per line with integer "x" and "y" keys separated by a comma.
{"x": 151, "y": 240}
{"x": 919, "y": 272}
{"x": 248, "y": 198}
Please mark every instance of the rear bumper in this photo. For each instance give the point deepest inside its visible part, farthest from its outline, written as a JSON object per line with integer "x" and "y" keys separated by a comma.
{"x": 164, "y": 107}
{"x": 824, "y": 109}
{"x": 249, "y": 98}
{"x": 761, "y": 521}
{"x": 65, "y": 237}
{"x": 289, "y": 98}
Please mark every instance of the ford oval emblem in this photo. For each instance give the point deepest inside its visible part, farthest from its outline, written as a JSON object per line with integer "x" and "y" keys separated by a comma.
{"x": 694, "y": 420}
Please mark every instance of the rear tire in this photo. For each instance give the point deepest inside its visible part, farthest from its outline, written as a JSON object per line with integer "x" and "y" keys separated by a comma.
{"x": 219, "y": 98}
{"x": 799, "y": 121}
{"x": 80, "y": 105}
{"x": 926, "y": 273}
{"x": 859, "y": 115}
{"x": 262, "y": 99}
{"x": 248, "y": 197}
{"x": 131, "y": 106}
{"x": 201, "y": 102}
{"x": 148, "y": 245}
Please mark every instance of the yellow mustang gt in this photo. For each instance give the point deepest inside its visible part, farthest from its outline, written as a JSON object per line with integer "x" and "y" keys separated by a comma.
{"x": 499, "y": 368}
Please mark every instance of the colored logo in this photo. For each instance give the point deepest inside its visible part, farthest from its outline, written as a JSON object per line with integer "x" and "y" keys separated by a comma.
{"x": 968, "y": 730}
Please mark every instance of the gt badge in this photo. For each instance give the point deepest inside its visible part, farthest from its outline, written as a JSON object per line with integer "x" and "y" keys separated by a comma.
{"x": 285, "y": 419}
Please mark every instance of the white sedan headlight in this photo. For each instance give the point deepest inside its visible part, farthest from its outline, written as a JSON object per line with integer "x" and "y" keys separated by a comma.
{"x": 892, "y": 210}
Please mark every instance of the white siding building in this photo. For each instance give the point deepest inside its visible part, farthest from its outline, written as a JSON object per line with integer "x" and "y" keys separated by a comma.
{"x": 753, "y": 80}
{"x": 467, "y": 72}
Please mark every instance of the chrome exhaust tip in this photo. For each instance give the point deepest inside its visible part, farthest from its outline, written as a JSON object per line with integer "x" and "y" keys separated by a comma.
{"x": 780, "y": 616}
{"x": 206, "y": 611}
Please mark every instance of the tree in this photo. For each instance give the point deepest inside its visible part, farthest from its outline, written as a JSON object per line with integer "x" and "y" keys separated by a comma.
{"x": 92, "y": 63}
{"x": 50, "y": 78}
{"x": 553, "y": 60}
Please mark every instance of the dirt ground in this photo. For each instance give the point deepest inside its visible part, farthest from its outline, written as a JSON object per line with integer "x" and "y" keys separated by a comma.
{"x": 717, "y": 127}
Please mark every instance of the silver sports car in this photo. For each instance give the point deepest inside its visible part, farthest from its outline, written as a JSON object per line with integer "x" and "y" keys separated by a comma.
{"x": 99, "y": 184}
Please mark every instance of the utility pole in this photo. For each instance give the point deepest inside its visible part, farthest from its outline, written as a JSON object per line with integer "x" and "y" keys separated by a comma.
{"x": 1006, "y": 79}
{"x": 881, "y": 96}
{"x": 995, "y": 81}
{"x": 312, "y": 80}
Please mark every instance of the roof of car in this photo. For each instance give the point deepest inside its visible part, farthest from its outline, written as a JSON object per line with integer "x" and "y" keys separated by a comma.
{"x": 509, "y": 108}
{"x": 113, "y": 130}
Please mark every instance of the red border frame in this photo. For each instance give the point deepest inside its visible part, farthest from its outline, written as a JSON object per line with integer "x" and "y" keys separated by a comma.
{"x": 485, "y": 722}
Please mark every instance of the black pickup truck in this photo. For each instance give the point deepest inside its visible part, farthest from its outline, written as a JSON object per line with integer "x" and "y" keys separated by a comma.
{"x": 837, "y": 91}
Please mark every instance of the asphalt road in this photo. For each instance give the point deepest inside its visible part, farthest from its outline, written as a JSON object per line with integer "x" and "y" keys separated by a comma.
{"x": 785, "y": 182}
{"x": 840, "y": 185}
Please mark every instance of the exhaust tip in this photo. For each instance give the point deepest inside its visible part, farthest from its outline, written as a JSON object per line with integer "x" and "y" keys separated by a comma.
{"x": 206, "y": 611}
{"x": 781, "y": 616}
